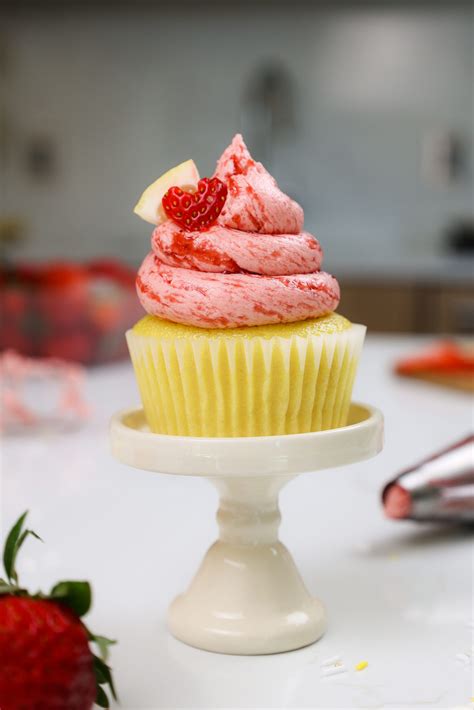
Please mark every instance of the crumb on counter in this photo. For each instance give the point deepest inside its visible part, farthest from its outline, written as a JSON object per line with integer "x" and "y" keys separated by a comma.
{"x": 333, "y": 661}
{"x": 360, "y": 666}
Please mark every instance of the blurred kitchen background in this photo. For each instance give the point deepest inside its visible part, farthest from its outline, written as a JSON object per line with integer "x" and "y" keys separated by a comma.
{"x": 362, "y": 111}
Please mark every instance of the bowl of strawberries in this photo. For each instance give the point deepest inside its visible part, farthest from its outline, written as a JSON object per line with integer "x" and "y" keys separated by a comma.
{"x": 76, "y": 312}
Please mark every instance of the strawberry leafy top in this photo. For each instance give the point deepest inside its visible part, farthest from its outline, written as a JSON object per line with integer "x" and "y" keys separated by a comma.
{"x": 77, "y": 596}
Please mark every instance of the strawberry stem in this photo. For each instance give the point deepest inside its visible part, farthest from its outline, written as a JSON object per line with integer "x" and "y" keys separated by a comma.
{"x": 76, "y": 595}
{"x": 15, "y": 540}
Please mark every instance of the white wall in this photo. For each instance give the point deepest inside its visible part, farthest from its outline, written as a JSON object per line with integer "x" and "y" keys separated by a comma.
{"x": 127, "y": 94}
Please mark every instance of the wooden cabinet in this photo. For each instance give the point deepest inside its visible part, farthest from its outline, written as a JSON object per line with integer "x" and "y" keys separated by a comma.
{"x": 456, "y": 310}
{"x": 382, "y": 308}
{"x": 408, "y": 307}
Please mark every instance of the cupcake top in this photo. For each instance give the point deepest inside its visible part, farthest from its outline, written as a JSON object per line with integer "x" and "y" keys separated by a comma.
{"x": 231, "y": 251}
{"x": 255, "y": 203}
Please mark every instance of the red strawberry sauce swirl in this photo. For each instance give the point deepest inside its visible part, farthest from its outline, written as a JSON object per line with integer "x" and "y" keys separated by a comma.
{"x": 254, "y": 266}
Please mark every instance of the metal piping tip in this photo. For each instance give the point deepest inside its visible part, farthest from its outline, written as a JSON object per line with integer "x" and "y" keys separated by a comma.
{"x": 397, "y": 501}
{"x": 438, "y": 488}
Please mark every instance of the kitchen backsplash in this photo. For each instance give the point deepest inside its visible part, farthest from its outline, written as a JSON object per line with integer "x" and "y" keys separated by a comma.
{"x": 352, "y": 109}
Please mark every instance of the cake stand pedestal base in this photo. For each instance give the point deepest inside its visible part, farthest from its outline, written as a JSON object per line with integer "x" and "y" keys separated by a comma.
{"x": 247, "y": 596}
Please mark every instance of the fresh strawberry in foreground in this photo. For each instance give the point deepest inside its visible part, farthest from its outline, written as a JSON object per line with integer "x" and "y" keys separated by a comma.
{"x": 46, "y": 662}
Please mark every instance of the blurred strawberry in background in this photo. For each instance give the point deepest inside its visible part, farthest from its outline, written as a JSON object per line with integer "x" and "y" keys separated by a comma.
{"x": 76, "y": 312}
{"x": 62, "y": 296}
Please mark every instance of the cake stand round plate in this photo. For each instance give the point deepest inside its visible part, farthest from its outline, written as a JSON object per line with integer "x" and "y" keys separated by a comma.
{"x": 247, "y": 596}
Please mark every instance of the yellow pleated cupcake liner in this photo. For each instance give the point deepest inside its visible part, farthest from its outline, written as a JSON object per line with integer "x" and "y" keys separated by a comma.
{"x": 246, "y": 382}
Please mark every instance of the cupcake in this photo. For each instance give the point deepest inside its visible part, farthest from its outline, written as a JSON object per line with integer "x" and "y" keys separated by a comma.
{"x": 240, "y": 336}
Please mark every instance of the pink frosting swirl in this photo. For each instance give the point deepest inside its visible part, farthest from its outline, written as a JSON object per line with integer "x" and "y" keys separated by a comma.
{"x": 254, "y": 202}
{"x": 228, "y": 250}
{"x": 255, "y": 266}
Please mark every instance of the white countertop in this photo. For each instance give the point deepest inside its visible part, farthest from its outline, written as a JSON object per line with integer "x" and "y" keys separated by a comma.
{"x": 398, "y": 594}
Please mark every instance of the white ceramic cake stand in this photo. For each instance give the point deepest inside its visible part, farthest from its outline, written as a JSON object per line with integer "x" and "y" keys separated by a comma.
{"x": 247, "y": 596}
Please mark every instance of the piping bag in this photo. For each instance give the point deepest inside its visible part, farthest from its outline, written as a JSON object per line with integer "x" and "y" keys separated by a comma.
{"x": 440, "y": 488}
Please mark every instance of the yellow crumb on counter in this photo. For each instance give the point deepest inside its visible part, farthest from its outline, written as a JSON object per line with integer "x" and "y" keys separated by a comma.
{"x": 360, "y": 666}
